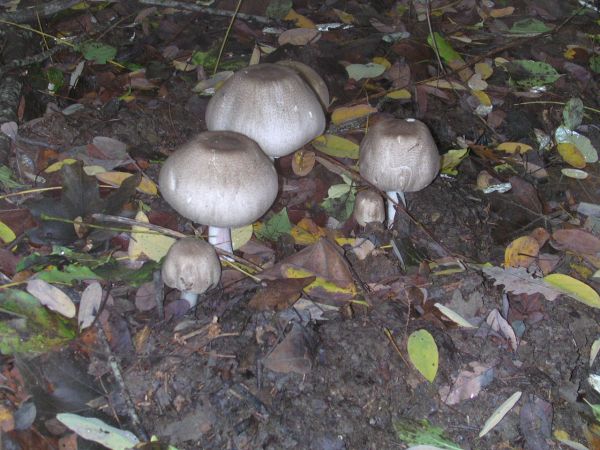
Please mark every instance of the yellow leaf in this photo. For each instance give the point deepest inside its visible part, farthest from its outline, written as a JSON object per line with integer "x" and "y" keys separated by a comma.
{"x": 570, "y": 53}
{"x": 336, "y": 146}
{"x": 452, "y": 159}
{"x": 348, "y": 113}
{"x": 445, "y": 84}
{"x": 345, "y": 17}
{"x": 145, "y": 242}
{"x": 306, "y": 232}
{"x": 571, "y": 155}
{"x": 383, "y": 61}
{"x": 483, "y": 98}
{"x": 399, "y": 94}
{"x": 514, "y": 147}
{"x": 93, "y": 170}
{"x": 240, "y": 236}
{"x": 484, "y": 69}
{"x": 146, "y": 186}
{"x": 521, "y": 252}
{"x": 341, "y": 241}
{"x": 502, "y": 12}
{"x": 574, "y": 288}
{"x": 58, "y": 165}
{"x": 319, "y": 283}
{"x": 300, "y": 20}
{"x": 6, "y": 234}
{"x": 423, "y": 353}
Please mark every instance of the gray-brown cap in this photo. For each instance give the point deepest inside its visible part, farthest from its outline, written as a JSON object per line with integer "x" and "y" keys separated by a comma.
{"x": 219, "y": 178}
{"x": 271, "y": 104}
{"x": 399, "y": 155}
{"x": 368, "y": 207}
{"x": 191, "y": 265}
{"x": 311, "y": 77}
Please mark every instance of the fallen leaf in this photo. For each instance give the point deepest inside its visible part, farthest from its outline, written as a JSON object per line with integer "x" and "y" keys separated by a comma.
{"x": 571, "y": 155}
{"x": 476, "y": 83}
{"x": 501, "y": 326}
{"x": 359, "y": 71}
{"x": 574, "y": 173}
{"x": 6, "y": 234}
{"x": 521, "y": 252}
{"x": 575, "y": 240}
{"x": 306, "y": 232}
{"x": 336, "y": 146}
{"x": 399, "y": 94}
{"x": 303, "y": 162}
{"x": 454, "y": 316}
{"x": 348, "y": 113}
{"x": 299, "y": 20}
{"x": 499, "y": 413}
{"x": 52, "y": 297}
{"x": 445, "y": 84}
{"x": 423, "y": 353}
{"x": 89, "y": 305}
{"x": 279, "y": 294}
{"x": 145, "y": 242}
{"x": 299, "y": 36}
{"x": 574, "y": 288}
{"x": 514, "y": 147}
{"x": 95, "y": 430}
{"x": 145, "y": 297}
{"x": 294, "y": 354}
{"x": 502, "y": 12}
{"x": 563, "y": 135}
{"x": 240, "y": 236}
{"x": 467, "y": 384}
{"x": 518, "y": 281}
{"x": 484, "y": 69}
{"x": 146, "y": 185}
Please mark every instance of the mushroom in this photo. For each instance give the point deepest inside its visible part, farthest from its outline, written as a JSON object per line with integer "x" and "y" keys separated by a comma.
{"x": 271, "y": 104}
{"x": 221, "y": 179}
{"x": 311, "y": 77}
{"x": 368, "y": 207}
{"x": 398, "y": 156}
{"x": 193, "y": 267}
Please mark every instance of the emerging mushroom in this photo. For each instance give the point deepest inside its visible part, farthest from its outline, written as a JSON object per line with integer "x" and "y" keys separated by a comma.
{"x": 368, "y": 207}
{"x": 271, "y": 104}
{"x": 193, "y": 267}
{"x": 398, "y": 156}
{"x": 221, "y": 179}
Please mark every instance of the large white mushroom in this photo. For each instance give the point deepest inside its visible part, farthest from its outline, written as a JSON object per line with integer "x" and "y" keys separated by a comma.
{"x": 193, "y": 267}
{"x": 398, "y": 156}
{"x": 271, "y": 104}
{"x": 221, "y": 179}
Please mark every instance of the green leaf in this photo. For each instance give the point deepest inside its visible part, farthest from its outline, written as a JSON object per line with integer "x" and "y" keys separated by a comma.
{"x": 6, "y": 179}
{"x": 95, "y": 430}
{"x": 423, "y": 353}
{"x": 98, "y": 52}
{"x": 338, "y": 190}
{"x": 340, "y": 201}
{"x": 134, "y": 277}
{"x": 421, "y": 432}
{"x": 6, "y": 234}
{"x": 529, "y": 26}
{"x": 573, "y": 113}
{"x": 56, "y": 78}
{"x": 447, "y": 53}
{"x": 595, "y": 63}
{"x": 32, "y": 328}
{"x": 204, "y": 59}
{"x": 336, "y": 146}
{"x": 277, "y": 225}
{"x": 69, "y": 274}
{"x": 278, "y": 9}
{"x": 359, "y": 71}
{"x": 526, "y": 73}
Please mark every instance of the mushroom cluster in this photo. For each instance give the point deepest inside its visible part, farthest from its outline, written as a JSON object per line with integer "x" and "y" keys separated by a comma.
{"x": 225, "y": 177}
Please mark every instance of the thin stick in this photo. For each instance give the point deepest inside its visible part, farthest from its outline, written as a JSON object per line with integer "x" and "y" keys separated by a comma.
{"x": 235, "y": 13}
{"x": 543, "y": 102}
{"x": 204, "y": 9}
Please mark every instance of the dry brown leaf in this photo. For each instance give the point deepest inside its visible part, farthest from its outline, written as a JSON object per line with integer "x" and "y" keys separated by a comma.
{"x": 303, "y": 162}
{"x": 577, "y": 241}
{"x": 279, "y": 294}
{"x": 299, "y": 36}
{"x": 521, "y": 252}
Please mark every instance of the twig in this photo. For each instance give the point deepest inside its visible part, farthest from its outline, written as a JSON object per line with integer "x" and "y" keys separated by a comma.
{"x": 116, "y": 370}
{"x": 235, "y": 14}
{"x": 204, "y": 9}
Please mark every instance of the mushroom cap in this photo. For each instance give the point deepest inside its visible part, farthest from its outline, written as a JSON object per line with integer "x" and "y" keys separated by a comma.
{"x": 368, "y": 207}
{"x": 311, "y": 77}
{"x": 191, "y": 265}
{"x": 399, "y": 155}
{"x": 271, "y": 104}
{"x": 219, "y": 178}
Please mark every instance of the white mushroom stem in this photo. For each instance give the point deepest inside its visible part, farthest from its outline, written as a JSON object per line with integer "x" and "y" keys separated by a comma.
{"x": 220, "y": 238}
{"x": 392, "y": 199}
{"x": 189, "y": 297}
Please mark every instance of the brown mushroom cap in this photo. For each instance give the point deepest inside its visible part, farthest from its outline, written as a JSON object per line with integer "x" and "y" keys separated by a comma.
{"x": 399, "y": 155}
{"x": 311, "y": 77}
{"x": 219, "y": 178}
{"x": 191, "y": 265}
{"x": 368, "y": 207}
{"x": 271, "y": 104}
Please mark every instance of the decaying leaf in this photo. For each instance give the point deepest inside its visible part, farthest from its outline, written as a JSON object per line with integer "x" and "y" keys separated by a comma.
{"x": 303, "y": 162}
{"x": 577, "y": 241}
{"x": 467, "y": 384}
{"x": 500, "y": 325}
{"x": 145, "y": 242}
{"x": 294, "y": 354}
{"x": 89, "y": 305}
{"x": 521, "y": 252}
{"x": 519, "y": 281}
{"x": 51, "y": 297}
{"x": 499, "y": 413}
{"x": 279, "y": 294}
{"x": 348, "y": 113}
